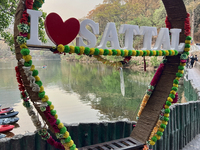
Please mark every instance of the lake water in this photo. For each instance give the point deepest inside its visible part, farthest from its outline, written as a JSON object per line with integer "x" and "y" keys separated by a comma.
{"x": 79, "y": 92}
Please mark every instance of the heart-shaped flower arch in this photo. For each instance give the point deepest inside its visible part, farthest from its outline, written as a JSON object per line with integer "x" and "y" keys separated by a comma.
{"x": 31, "y": 86}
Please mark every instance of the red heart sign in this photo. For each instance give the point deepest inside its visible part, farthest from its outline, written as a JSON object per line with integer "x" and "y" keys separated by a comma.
{"x": 61, "y": 32}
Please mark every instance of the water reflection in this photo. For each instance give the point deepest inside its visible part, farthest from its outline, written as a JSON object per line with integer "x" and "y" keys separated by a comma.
{"x": 79, "y": 92}
{"x": 99, "y": 87}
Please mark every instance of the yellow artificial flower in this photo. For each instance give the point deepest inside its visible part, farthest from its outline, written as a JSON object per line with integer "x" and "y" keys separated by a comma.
{"x": 186, "y": 49}
{"x": 173, "y": 52}
{"x": 27, "y": 58}
{"x": 45, "y": 98}
{"x": 148, "y": 52}
{"x": 72, "y": 49}
{"x": 66, "y": 134}
{"x": 164, "y": 122}
{"x": 167, "y": 53}
{"x": 161, "y": 129}
{"x": 23, "y": 46}
{"x": 51, "y": 107}
{"x": 92, "y": 50}
{"x": 60, "y": 125}
{"x": 118, "y": 52}
{"x": 154, "y": 53}
{"x": 32, "y": 68}
{"x": 160, "y": 53}
{"x": 181, "y": 71}
{"x": 187, "y": 42}
{"x": 110, "y": 52}
{"x": 41, "y": 89}
{"x": 82, "y": 49}
{"x": 170, "y": 99}
{"x": 101, "y": 51}
{"x": 176, "y": 85}
{"x": 56, "y": 116}
{"x": 134, "y": 53}
{"x": 166, "y": 114}
{"x": 166, "y": 106}
{"x": 177, "y": 78}
{"x": 69, "y": 144}
{"x": 60, "y": 48}
{"x": 173, "y": 92}
{"x": 141, "y": 52}
{"x": 37, "y": 78}
{"x": 158, "y": 137}
{"x": 152, "y": 142}
{"x": 125, "y": 52}
{"x": 182, "y": 64}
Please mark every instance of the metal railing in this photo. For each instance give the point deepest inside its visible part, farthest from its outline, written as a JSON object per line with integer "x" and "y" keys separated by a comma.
{"x": 191, "y": 92}
{"x": 183, "y": 126}
{"x": 83, "y": 134}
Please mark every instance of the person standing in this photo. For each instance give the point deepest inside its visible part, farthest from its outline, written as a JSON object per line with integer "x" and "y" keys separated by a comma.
{"x": 196, "y": 59}
{"x": 187, "y": 62}
{"x": 193, "y": 59}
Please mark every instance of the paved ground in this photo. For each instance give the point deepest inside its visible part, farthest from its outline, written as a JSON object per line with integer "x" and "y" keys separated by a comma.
{"x": 194, "y": 74}
{"x": 195, "y": 143}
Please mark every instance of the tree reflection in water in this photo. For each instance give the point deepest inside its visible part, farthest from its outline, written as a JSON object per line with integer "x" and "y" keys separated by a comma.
{"x": 99, "y": 86}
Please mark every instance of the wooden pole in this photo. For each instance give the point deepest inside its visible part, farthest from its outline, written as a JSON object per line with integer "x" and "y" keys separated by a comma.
{"x": 144, "y": 64}
{"x": 40, "y": 46}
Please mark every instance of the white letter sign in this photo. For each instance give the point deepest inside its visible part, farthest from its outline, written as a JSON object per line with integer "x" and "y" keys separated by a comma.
{"x": 129, "y": 31}
{"x": 86, "y": 34}
{"x": 175, "y": 33}
{"x": 110, "y": 34}
{"x": 34, "y": 15}
{"x": 148, "y": 32}
{"x": 163, "y": 39}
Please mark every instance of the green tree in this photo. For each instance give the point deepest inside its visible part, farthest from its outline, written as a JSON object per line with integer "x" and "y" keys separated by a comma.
{"x": 137, "y": 12}
{"x": 7, "y": 13}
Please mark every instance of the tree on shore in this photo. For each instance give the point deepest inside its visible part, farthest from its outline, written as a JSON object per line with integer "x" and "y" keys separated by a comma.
{"x": 7, "y": 14}
{"x": 136, "y": 12}
{"x": 142, "y": 13}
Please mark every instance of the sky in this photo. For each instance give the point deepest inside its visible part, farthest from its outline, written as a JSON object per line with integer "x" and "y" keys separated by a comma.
{"x": 70, "y": 8}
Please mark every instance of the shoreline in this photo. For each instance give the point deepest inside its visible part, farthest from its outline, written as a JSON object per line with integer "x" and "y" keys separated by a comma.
{"x": 136, "y": 64}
